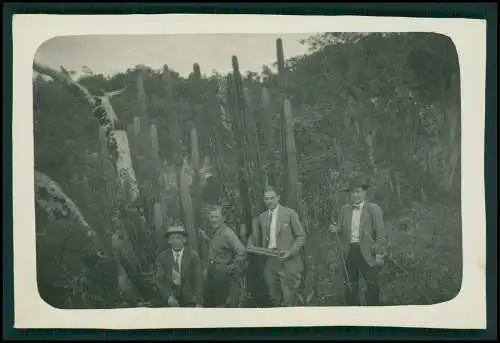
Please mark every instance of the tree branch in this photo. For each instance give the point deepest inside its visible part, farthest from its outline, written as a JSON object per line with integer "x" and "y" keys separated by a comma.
{"x": 64, "y": 77}
{"x": 116, "y": 136}
{"x": 56, "y": 203}
{"x": 119, "y": 151}
{"x": 114, "y": 93}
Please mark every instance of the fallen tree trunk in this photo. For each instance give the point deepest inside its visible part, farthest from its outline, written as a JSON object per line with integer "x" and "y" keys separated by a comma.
{"x": 119, "y": 152}
{"x": 115, "y": 131}
{"x": 57, "y": 271}
{"x": 52, "y": 199}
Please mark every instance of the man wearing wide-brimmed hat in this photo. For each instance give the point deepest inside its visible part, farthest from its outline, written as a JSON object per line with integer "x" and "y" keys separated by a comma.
{"x": 362, "y": 238}
{"x": 179, "y": 273}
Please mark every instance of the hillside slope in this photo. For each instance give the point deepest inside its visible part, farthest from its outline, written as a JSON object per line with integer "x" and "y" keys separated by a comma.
{"x": 425, "y": 265}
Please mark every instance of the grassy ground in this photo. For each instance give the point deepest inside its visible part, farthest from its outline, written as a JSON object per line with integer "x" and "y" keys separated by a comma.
{"x": 425, "y": 265}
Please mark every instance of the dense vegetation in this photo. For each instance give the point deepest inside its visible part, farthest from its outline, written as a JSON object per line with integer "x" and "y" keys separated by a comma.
{"x": 386, "y": 105}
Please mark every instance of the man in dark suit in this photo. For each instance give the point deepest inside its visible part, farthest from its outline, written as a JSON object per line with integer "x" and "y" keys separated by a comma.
{"x": 362, "y": 236}
{"x": 280, "y": 229}
{"x": 179, "y": 273}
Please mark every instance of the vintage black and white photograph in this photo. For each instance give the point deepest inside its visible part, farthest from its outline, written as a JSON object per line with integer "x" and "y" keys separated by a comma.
{"x": 265, "y": 170}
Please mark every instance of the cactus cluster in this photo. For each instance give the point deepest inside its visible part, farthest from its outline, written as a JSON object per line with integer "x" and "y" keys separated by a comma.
{"x": 259, "y": 164}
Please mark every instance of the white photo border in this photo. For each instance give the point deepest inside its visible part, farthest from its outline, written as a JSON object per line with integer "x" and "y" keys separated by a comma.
{"x": 466, "y": 311}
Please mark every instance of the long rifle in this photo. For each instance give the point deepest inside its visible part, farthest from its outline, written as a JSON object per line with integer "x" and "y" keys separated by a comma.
{"x": 347, "y": 277}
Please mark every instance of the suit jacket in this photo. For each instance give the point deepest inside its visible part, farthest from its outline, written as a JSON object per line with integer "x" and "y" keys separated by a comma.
{"x": 290, "y": 236}
{"x": 191, "y": 288}
{"x": 372, "y": 233}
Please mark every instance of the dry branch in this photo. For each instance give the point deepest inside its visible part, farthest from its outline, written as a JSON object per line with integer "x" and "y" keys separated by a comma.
{"x": 116, "y": 135}
{"x": 65, "y": 78}
{"x": 53, "y": 200}
{"x": 117, "y": 144}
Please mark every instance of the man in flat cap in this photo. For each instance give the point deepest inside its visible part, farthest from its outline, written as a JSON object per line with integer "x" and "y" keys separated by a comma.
{"x": 362, "y": 237}
{"x": 226, "y": 261}
{"x": 179, "y": 274}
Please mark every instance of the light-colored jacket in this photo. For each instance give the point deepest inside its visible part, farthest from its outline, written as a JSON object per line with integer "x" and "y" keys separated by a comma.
{"x": 290, "y": 236}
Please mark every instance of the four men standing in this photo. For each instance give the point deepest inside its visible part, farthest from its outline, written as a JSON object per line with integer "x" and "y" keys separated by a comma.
{"x": 360, "y": 231}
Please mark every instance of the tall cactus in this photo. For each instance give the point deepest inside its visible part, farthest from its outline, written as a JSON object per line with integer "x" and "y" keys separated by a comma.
{"x": 213, "y": 122}
{"x": 289, "y": 153}
{"x": 174, "y": 134}
{"x": 292, "y": 181}
{"x": 270, "y": 150}
{"x": 248, "y": 162}
{"x": 292, "y": 187}
{"x": 159, "y": 208}
{"x": 155, "y": 172}
{"x": 159, "y": 222}
{"x": 196, "y": 186}
{"x": 233, "y": 105}
{"x": 251, "y": 127}
{"x": 196, "y": 91}
{"x": 187, "y": 204}
{"x": 282, "y": 97}
{"x": 140, "y": 160}
{"x": 257, "y": 173}
{"x": 155, "y": 154}
{"x": 145, "y": 147}
{"x": 195, "y": 153}
{"x": 141, "y": 97}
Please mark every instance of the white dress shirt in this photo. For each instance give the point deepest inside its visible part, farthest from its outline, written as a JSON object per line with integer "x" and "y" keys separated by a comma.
{"x": 356, "y": 219}
{"x": 272, "y": 229}
{"x": 176, "y": 276}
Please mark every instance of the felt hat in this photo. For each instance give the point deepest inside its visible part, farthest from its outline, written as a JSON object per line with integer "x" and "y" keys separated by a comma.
{"x": 355, "y": 182}
{"x": 176, "y": 229}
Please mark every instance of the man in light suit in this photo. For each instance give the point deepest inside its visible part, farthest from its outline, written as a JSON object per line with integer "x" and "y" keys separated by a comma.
{"x": 280, "y": 229}
{"x": 361, "y": 230}
{"x": 178, "y": 270}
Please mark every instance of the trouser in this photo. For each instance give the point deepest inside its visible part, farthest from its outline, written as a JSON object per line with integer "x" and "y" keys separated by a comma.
{"x": 283, "y": 285}
{"x": 180, "y": 298}
{"x": 217, "y": 286}
{"x": 256, "y": 283}
{"x": 356, "y": 264}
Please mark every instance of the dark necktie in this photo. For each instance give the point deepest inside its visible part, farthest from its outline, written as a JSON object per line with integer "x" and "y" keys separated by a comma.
{"x": 177, "y": 265}
{"x": 356, "y": 206}
{"x": 269, "y": 220}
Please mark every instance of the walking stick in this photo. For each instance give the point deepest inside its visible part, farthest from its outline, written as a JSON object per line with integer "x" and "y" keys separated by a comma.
{"x": 347, "y": 278}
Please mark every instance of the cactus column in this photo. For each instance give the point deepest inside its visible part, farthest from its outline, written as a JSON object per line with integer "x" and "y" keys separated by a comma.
{"x": 270, "y": 154}
{"x": 289, "y": 153}
{"x": 187, "y": 205}
{"x": 292, "y": 181}
{"x": 292, "y": 187}
{"x": 174, "y": 134}
{"x": 195, "y": 154}
{"x": 237, "y": 109}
